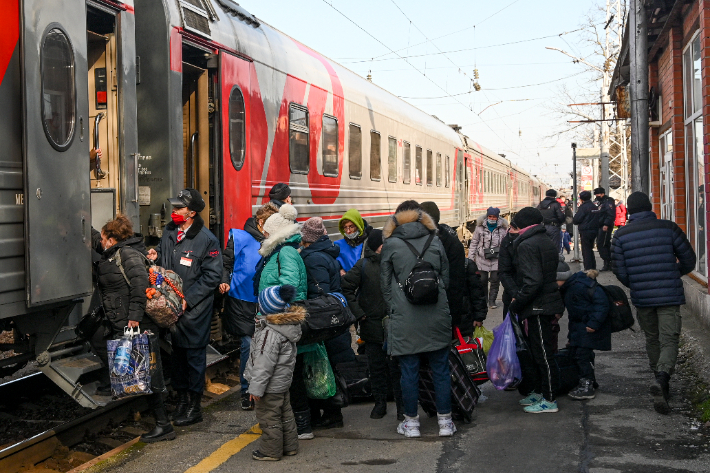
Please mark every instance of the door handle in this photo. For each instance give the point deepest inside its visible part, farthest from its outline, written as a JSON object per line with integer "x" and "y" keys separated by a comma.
{"x": 193, "y": 160}
{"x": 98, "y": 172}
{"x": 136, "y": 156}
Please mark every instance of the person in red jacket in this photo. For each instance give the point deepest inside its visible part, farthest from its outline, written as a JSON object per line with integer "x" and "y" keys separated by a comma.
{"x": 620, "y": 219}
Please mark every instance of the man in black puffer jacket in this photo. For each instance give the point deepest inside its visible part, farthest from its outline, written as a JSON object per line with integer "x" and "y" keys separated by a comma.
{"x": 506, "y": 270}
{"x": 588, "y": 226}
{"x": 537, "y": 300}
{"x": 606, "y": 214}
{"x": 553, "y": 217}
{"x": 649, "y": 256}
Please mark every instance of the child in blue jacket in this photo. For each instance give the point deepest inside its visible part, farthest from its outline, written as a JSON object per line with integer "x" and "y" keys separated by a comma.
{"x": 589, "y": 326}
{"x": 566, "y": 239}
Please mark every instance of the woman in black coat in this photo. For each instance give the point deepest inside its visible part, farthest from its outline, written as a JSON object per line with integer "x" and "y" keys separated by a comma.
{"x": 122, "y": 279}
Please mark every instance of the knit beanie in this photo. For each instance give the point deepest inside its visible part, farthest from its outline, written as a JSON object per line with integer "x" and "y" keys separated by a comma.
{"x": 374, "y": 240}
{"x": 551, "y": 193}
{"x": 286, "y": 216}
{"x": 312, "y": 230}
{"x": 432, "y": 209}
{"x": 527, "y": 216}
{"x": 599, "y": 190}
{"x": 280, "y": 192}
{"x": 563, "y": 271}
{"x": 638, "y": 202}
{"x": 275, "y": 299}
{"x": 585, "y": 195}
{"x": 493, "y": 211}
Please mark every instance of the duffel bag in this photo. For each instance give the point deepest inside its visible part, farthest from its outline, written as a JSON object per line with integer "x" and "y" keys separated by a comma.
{"x": 327, "y": 317}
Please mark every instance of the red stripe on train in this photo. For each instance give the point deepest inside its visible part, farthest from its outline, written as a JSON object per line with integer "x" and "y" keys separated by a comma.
{"x": 9, "y": 34}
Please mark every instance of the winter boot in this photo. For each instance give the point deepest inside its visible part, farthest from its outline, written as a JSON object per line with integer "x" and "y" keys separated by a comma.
{"x": 247, "y": 404}
{"x": 585, "y": 390}
{"x": 163, "y": 428}
{"x": 257, "y": 455}
{"x": 331, "y": 419}
{"x": 380, "y": 409}
{"x": 409, "y": 427}
{"x": 446, "y": 425}
{"x": 303, "y": 424}
{"x": 181, "y": 407}
{"x": 193, "y": 414}
{"x": 660, "y": 390}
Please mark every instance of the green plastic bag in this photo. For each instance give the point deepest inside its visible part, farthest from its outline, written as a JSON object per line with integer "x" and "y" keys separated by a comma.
{"x": 486, "y": 335}
{"x": 317, "y": 373}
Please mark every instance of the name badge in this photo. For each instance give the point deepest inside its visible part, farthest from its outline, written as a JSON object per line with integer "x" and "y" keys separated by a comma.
{"x": 185, "y": 261}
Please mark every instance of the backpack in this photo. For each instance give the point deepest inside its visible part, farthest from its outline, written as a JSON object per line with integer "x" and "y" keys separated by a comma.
{"x": 421, "y": 287}
{"x": 548, "y": 213}
{"x": 620, "y": 315}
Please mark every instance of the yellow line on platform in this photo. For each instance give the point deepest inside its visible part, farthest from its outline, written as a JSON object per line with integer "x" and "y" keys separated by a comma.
{"x": 226, "y": 451}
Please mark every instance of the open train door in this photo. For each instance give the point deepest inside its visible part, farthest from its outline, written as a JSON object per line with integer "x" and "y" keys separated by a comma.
{"x": 56, "y": 162}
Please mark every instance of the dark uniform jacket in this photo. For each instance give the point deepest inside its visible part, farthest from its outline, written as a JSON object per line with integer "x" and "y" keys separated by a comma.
{"x": 586, "y": 218}
{"x": 649, "y": 256}
{"x": 361, "y": 287}
{"x": 551, "y": 211}
{"x": 606, "y": 211}
{"x": 197, "y": 259}
{"x": 476, "y": 303}
{"x": 535, "y": 260}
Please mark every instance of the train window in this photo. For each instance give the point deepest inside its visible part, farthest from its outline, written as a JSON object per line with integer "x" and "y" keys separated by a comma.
{"x": 330, "y": 146}
{"x": 418, "y": 166}
{"x": 355, "y": 152}
{"x": 447, "y": 172}
{"x": 438, "y": 169}
{"x": 429, "y": 168}
{"x": 392, "y": 159}
{"x": 298, "y": 140}
{"x": 375, "y": 151}
{"x": 236, "y": 128}
{"x": 407, "y": 164}
{"x": 58, "y": 89}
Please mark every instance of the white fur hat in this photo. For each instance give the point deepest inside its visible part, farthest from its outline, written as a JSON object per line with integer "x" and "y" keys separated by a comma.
{"x": 286, "y": 216}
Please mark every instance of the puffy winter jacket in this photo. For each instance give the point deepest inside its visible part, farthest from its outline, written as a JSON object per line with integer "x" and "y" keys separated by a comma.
{"x": 322, "y": 270}
{"x": 413, "y": 328}
{"x": 586, "y": 218}
{"x": 352, "y": 250}
{"x": 484, "y": 238}
{"x": 551, "y": 211}
{"x": 620, "y": 219}
{"x": 587, "y": 306}
{"x": 535, "y": 260}
{"x": 362, "y": 288}
{"x": 475, "y": 301}
{"x": 456, "y": 254}
{"x": 506, "y": 270}
{"x": 649, "y": 256}
{"x": 272, "y": 355}
{"x": 284, "y": 264}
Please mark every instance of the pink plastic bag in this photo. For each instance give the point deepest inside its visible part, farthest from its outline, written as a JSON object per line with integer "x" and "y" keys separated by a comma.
{"x": 503, "y": 365}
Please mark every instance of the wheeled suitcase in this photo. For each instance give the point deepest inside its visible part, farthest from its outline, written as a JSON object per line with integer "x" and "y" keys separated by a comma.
{"x": 357, "y": 376}
{"x": 464, "y": 393}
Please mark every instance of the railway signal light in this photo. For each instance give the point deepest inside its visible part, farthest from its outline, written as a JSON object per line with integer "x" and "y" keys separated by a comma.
{"x": 475, "y": 74}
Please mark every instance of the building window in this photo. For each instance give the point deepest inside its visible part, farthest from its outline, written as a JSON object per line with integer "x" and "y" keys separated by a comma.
{"x": 298, "y": 139}
{"x": 355, "y": 151}
{"x": 418, "y": 166}
{"x": 665, "y": 168}
{"x": 236, "y": 128}
{"x": 392, "y": 159}
{"x": 438, "y": 169}
{"x": 447, "y": 172}
{"x": 375, "y": 150}
{"x": 695, "y": 163}
{"x": 407, "y": 164}
{"x": 429, "y": 168}
{"x": 330, "y": 146}
{"x": 58, "y": 89}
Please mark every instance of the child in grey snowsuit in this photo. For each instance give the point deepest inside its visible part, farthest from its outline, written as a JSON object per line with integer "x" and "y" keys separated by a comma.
{"x": 269, "y": 371}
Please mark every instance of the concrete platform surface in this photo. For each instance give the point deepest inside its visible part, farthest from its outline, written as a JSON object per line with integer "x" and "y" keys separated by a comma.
{"x": 617, "y": 432}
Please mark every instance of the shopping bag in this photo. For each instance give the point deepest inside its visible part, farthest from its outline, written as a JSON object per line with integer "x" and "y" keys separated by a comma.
{"x": 472, "y": 355}
{"x": 503, "y": 365}
{"x": 486, "y": 337}
{"x": 135, "y": 379}
{"x": 317, "y": 373}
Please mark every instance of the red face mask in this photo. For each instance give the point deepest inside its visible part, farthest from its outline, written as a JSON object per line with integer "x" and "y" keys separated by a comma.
{"x": 178, "y": 219}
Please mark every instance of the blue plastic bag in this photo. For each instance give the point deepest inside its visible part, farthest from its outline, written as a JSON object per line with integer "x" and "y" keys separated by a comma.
{"x": 136, "y": 380}
{"x": 503, "y": 365}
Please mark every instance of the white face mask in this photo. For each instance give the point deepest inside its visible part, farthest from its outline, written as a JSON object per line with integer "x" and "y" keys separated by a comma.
{"x": 492, "y": 222}
{"x": 352, "y": 236}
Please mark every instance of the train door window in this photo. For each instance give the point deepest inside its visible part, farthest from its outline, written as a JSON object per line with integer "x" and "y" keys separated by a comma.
{"x": 58, "y": 89}
{"x": 429, "y": 168}
{"x": 330, "y": 146}
{"x": 236, "y": 128}
{"x": 375, "y": 159}
{"x": 355, "y": 151}
{"x": 407, "y": 164}
{"x": 438, "y": 169}
{"x": 392, "y": 159}
{"x": 298, "y": 139}
{"x": 447, "y": 172}
{"x": 418, "y": 166}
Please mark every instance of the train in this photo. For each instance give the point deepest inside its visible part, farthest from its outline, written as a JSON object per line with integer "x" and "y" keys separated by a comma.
{"x": 202, "y": 94}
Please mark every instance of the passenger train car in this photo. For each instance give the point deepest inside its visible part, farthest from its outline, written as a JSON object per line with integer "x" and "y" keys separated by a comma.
{"x": 192, "y": 93}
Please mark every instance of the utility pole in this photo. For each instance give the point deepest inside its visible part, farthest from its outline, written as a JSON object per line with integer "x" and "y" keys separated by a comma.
{"x": 606, "y": 111}
{"x": 576, "y": 258}
{"x": 638, "y": 53}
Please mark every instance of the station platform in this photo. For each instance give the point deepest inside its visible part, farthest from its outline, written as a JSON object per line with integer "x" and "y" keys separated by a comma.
{"x": 618, "y": 431}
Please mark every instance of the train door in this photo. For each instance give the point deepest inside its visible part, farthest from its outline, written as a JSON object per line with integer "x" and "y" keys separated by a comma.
{"x": 56, "y": 124}
{"x": 462, "y": 186}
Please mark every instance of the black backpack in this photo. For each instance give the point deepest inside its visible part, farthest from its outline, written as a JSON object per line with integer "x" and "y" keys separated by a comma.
{"x": 620, "y": 315}
{"x": 548, "y": 213}
{"x": 422, "y": 284}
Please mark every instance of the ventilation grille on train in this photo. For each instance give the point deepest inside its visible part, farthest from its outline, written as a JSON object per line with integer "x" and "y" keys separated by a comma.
{"x": 196, "y": 16}
{"x": 234, "y": 9}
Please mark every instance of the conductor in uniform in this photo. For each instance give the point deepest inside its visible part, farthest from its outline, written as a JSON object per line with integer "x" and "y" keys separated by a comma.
{"x": 193, "y": 252}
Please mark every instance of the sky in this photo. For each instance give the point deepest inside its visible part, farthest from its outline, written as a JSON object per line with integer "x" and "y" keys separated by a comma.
{"x": 511, "y": 114}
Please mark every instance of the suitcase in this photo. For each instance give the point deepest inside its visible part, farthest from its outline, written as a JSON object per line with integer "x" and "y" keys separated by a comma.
{"x": 357, "y": 377}
{"x": 464, "y": 393}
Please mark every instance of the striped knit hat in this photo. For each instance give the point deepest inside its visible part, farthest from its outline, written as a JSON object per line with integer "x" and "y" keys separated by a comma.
{"x": 275, "y": 299}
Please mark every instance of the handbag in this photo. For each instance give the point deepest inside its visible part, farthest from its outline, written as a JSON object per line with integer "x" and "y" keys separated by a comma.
{"x": 473, "y": 357}
{"x": 491, "y": 252}
{"x": 520, "y": 343}
{"x": 90, "y": 323}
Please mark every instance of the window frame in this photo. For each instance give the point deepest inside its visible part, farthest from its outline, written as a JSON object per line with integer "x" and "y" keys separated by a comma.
{"x": 244, "y": 129}
{"x": 447, "y": 172}
{"x": 379, "y": 135}
{"x": 406, "y": 162}
{"x": 350, "y": 173}
{"x": 391, "y": 178}
{"x": 439, "y": 171}
{"x": 337, "y": 144}
{"x": 308, "y": 140}
{"x": 420, "y": 167}
{"x": 429, "y": 168}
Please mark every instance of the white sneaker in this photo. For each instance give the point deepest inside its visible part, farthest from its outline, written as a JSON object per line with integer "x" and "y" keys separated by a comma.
{"x": 409, "y": 427}
{"x": 446, "y": 425}
{"x": 306, "y": 436}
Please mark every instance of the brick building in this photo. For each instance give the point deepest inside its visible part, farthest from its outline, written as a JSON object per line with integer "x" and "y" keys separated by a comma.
{"x": 679, "y": 123}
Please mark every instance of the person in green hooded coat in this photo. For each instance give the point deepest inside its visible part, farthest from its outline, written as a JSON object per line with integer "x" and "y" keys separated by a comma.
{"x": 355, "y": 231}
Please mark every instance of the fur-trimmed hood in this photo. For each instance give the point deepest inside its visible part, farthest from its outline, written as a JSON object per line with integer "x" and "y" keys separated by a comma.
{"x": 287, "y": 323}
{"x": 481, "y": 222}
{"x": 278, "y": 238}
{"x": 407, "y": 216}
